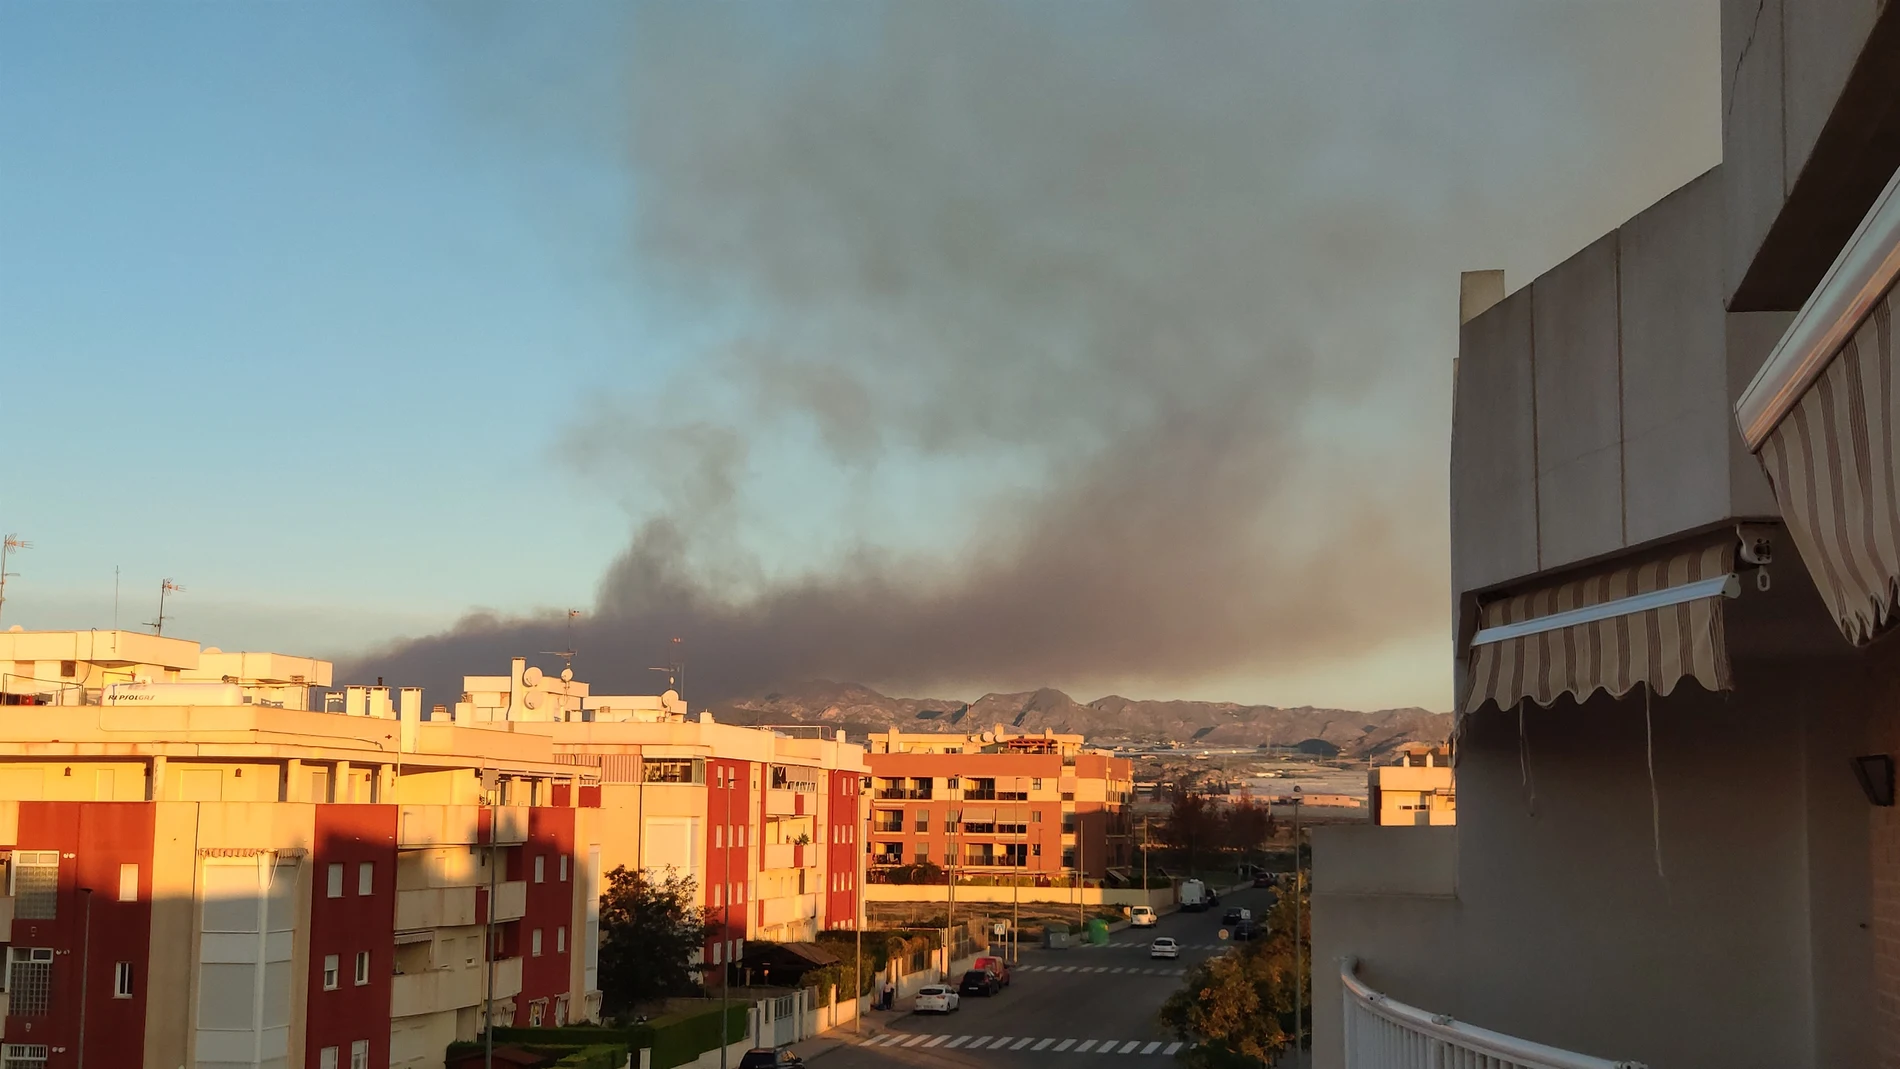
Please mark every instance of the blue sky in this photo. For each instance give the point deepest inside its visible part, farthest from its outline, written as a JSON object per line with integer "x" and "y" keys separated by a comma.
{"x": 357, "y": 317}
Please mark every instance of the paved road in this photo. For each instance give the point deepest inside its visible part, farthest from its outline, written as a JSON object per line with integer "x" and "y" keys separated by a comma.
{"x": 1063, "y": 1006}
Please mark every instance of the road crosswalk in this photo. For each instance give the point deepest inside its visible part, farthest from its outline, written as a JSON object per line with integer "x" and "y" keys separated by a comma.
{"x": 1143, "y": 945}
{"x": 1033, "y": 1044}
{"x": 1124, "y": 970}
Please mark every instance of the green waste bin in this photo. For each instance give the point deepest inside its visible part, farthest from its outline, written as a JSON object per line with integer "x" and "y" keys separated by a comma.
{"x": 1098, "y": 932}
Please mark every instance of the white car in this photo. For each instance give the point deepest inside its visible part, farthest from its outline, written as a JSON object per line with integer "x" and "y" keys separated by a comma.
{"x": 1142, "y": 917}
{"x": 1164, "y": 948}
{"x": 936, "y": 999}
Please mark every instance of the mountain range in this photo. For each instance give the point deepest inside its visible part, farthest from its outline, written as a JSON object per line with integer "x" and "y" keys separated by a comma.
{"x": 1113, "y": 720}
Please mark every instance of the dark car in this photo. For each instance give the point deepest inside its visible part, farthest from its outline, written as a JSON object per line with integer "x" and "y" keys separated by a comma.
{"x": 1265, "y": 879}
{"x": 1246, "y": 930}
{"x": 977, "y": 982}
{"x": 767, "y": 1058}
{"x": 1232, "y": 916}
{"x": 1213, "y": 899}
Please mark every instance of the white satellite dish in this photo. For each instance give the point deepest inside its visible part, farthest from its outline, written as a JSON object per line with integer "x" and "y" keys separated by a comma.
{"x": 989, "y": 736}
{"x": 530, "y": 699}
{"x": 531, "y": 678}
{"x": 567, "y": 675}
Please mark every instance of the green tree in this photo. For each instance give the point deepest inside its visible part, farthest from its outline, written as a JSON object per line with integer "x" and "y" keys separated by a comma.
{"x": 1237, "y": 1009}
{"x": 1192, "y": 825}
{"x": 650, "y": 932}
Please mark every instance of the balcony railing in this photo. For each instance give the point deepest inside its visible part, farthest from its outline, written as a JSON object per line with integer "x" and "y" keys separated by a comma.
{"x": 889, "y": 794}
{"x": 1383, "y": 1033}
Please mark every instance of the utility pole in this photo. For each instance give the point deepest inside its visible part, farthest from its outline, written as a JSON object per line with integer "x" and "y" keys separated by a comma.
{"x": 725, "y": 925}
{"x": 9, "y": 544}
{"x": 1081, "y": 925}
{"x": 1016, "y": 895}
{"x": 1299, "y": 944}
{"x": 860, "y": 818}
{"x": 950, "y": 901}
{"x": 488, "y": 931}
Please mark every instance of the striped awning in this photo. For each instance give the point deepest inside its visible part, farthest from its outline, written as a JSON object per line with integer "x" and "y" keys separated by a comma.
{"x": 1823, "y": 417}
{"x": 1653, "y": 623}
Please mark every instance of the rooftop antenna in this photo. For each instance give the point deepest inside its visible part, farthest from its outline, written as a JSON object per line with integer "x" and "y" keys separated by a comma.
{"x": 164, "y": 588}
{"x": 566, "y": 655}
{"x": 9, "y": 544}
{"x": 675, "y": 666}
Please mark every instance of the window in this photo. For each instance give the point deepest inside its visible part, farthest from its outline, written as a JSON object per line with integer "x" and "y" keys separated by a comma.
{"x": 359, "y": 1054}
{"x": 923, "y": 856}
{"x": 68, "y": 669}
{"x": 1068, "y": 796}
{"x": 742, "y": 835}
{"x": 330, "y": 969}
{"x": 30, "y": 980}
{"x": 1036, "y": 783}
{"x": 717, "y": 948}
{"x": 952, "y": 783}
{"x": 537, "y": 942}
{"x": 1035, "y": 817}
{"x": 25, "y": 1056}
{"x": 563, "y": 868}
{"x": 719, "y": 836}
{"x": 674, "y": 770}
{"x": 333, "y": 887}
{"x": 540, "y": 868}
{"x": 362, "y": 967}
{"x": 128, "y": 883}
{"x": 327, "y": 1059}
{"x": 35, "y": 885}
{"x": 366, "y": 878}
{"x": 560, "y": 939}
{"x": 923, "y": 820}
{"x": 122, "y": 979}
{"x": 742, "y": 890}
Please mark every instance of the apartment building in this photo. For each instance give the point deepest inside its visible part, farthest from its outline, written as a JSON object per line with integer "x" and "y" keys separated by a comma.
{"x": 1673, "y": 488}
{"x": 1041, "y": 805}
{"x": 203, "y": 871}
{"x": 1414, "y": 789}
{"x": 212, "y": 860}
{"x": 763, "y": 820}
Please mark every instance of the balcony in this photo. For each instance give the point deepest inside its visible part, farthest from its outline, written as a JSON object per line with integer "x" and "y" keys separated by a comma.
{"x": 435, "y": 907}
{"x": 778, "y": 856}
{"x": 423, "y": 826}
{"x": 1381, "y": 1033}
{"x": 511, "y": 902}
{"x": 437, "y": 990}
{"x": 507, "y": 978}
{"x": 789, "y": 909}
{"x": 781, "y": 803}
{"x": 901, "y": 794}
{"x": 6, "y": 922}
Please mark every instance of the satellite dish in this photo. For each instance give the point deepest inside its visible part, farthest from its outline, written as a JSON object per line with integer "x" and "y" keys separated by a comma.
{"x": 530, "y": 699}
{"x": 567, "y": 675}
{"x": 670, "y": 697}
{"x": 989, "y": 736}
{"x": 531, "y": 678}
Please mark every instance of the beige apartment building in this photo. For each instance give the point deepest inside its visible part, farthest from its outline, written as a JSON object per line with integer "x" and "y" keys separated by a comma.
{"x": 1673, "y": 480}
{"x": 210, "y": 859}
{"x": 1415, "y": 789}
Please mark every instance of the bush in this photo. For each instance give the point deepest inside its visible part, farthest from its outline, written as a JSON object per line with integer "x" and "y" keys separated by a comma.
{"x": 681, "y": 1037}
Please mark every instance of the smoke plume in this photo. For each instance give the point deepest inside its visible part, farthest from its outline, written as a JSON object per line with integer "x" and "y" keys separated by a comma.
{"x": 1072, "y": 344}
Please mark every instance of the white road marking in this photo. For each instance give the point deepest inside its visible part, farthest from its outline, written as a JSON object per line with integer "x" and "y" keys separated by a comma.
{"x": 1152, "y": 1047}
{"x": 936, "y": 1040}
{"x": 1064, "y": 1045}
{"x": 1171, "y": 1048}
{"x": 979, "y": 1041}
{"x": 1107, "y": 1047}
{"x": 1021, "y": 1043}
{"x": 1114, "y": 970}
{"x": 1130, "y": 1045}
{"x": 1044, "y": 1043}
{"x": 958, "y": 1042}
{"x": 1086, "y": 1044}
{"x": 885, "y": 1041}
{"x": 916, "y": 1039}
{"x": 999, "y": 1043}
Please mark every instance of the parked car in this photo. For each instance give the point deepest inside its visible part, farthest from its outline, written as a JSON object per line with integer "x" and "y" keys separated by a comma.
{"x": 1213, "y": 899}
{"x": 979, "y": 982}
{"x": 1236, "y": 915}
{"x": 767, "y": 1058}
{"x": 1142, "y": 917}
{"x": 995, "y": 966}
{"x": 936, "y": 998}
{"x": 1245, "y": 931}
{"x": 1164, "y": 947}
{"x": 1266, "y": 879}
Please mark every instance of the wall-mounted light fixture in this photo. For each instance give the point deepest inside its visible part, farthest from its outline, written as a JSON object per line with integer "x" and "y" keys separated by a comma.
{"x": 1875, "y": 773}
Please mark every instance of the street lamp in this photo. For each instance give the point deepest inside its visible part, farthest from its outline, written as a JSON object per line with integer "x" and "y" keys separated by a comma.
{"x": 1299, "y": 945}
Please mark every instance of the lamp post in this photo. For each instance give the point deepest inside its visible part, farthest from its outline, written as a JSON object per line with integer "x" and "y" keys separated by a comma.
{"x": 857, "y": 923}
{"x": 725, "y": 926}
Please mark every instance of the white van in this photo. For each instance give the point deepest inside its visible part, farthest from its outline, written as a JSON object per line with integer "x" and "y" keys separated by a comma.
{"x": 1142, "y": 917}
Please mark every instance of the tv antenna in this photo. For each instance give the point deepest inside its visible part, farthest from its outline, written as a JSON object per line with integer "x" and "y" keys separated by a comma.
{"x": 675, "y": 666}
{"x": 566, "y": 655}
{"x": 10, "y": 544}
{"x": 164, "y": 588}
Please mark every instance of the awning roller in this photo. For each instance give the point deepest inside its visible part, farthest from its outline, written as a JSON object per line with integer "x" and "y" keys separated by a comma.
{"x": 1653, "y": 623}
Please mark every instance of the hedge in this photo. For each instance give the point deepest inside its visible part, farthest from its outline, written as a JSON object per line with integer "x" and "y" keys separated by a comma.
{"x": 590, "y": 1056}
{"x": 675, "y": 1039}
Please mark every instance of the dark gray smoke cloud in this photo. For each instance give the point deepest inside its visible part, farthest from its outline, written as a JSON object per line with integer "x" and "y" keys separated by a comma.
{"x": 1147, "y": 311}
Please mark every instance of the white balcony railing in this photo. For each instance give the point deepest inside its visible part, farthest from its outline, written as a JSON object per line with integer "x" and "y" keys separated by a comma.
{"x": 1382, "y": 1033}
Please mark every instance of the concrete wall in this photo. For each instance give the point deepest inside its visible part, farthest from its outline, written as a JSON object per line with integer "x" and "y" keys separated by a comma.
{"x": 1739, "y": 938}
{"x": 1592, "y": 410}
{"x": 1808, "y": 125}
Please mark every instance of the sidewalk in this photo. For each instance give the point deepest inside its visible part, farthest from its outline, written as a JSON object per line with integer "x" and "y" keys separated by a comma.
{"x": 876, "y": 1022}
